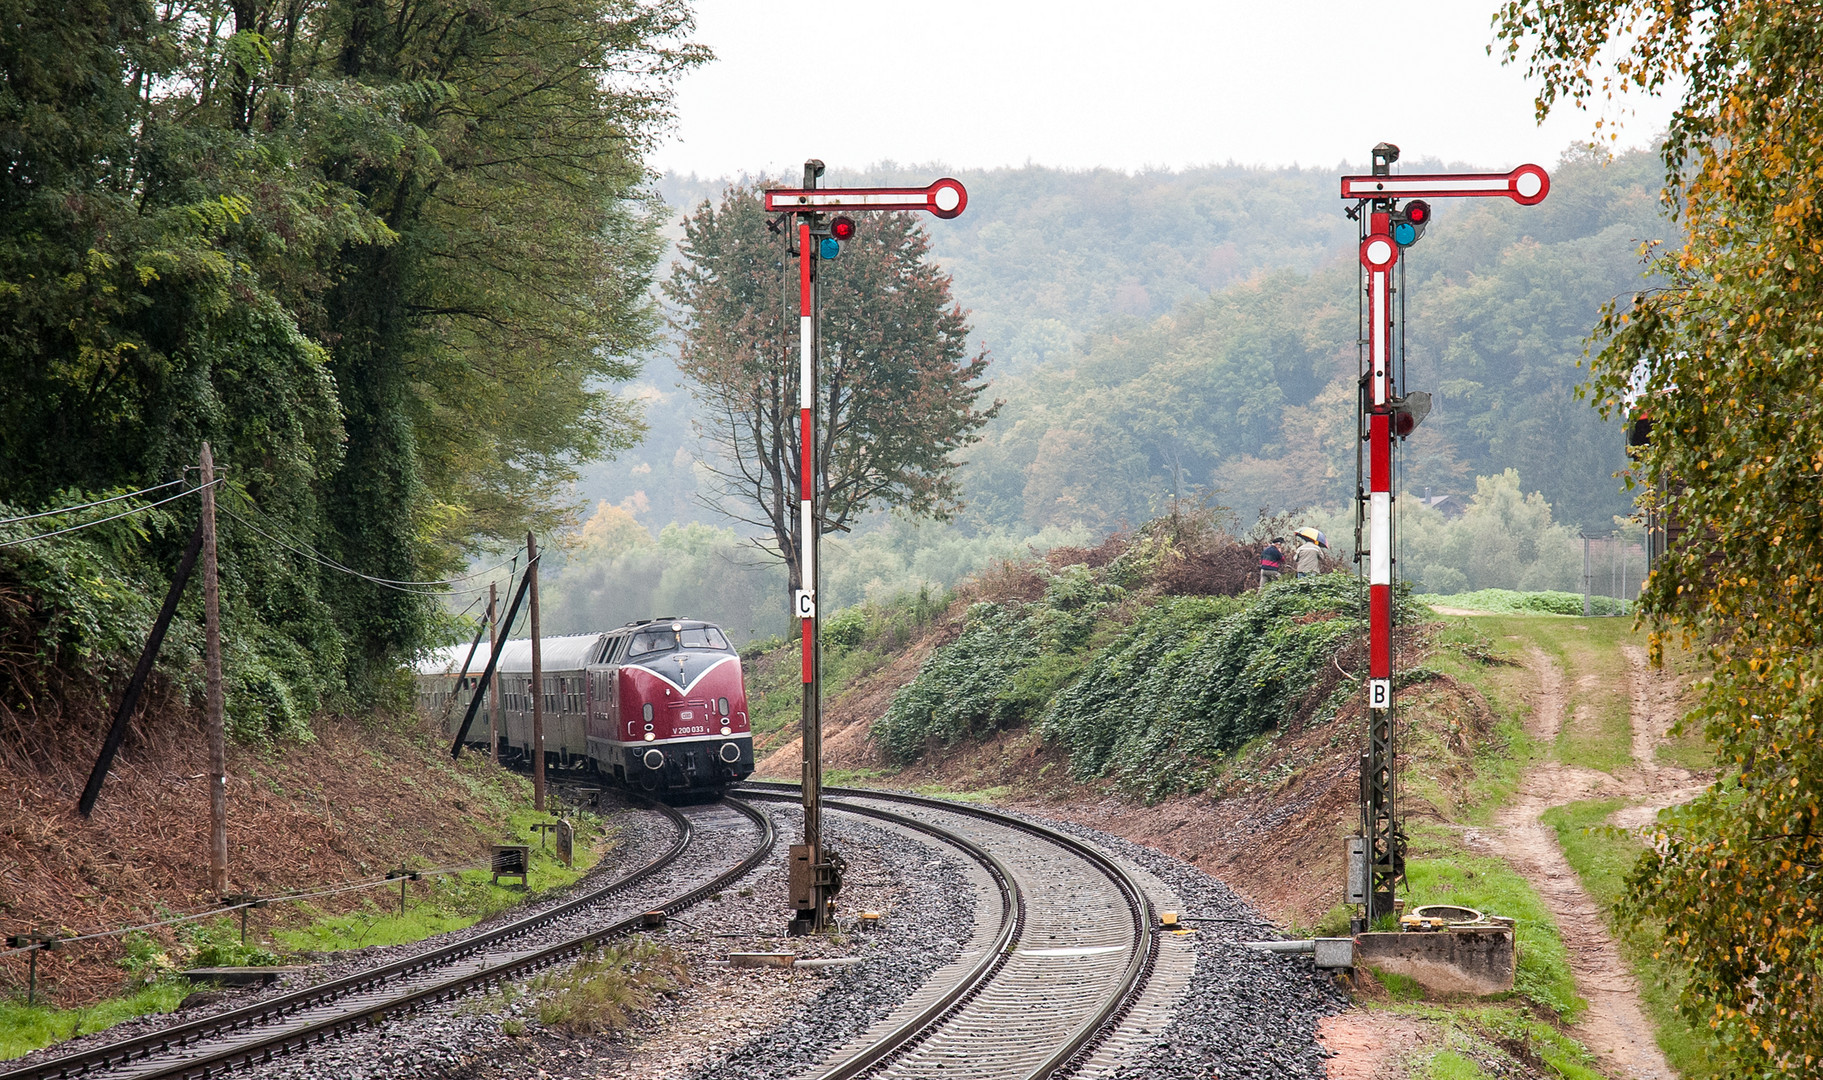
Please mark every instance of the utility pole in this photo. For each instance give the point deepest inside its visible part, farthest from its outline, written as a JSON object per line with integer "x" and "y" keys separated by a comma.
{"x": 816, "y": 873}
{"x": 213, "y": 704}
{"x": 531, "y": 568}
{"x": 1389, "y": 410}
{"x": 496, "y": 716}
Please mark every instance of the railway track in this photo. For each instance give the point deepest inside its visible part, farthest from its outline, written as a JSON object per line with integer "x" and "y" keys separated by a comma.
{"x": 1070, "y": 956}
{"x": 263, "y": 1031}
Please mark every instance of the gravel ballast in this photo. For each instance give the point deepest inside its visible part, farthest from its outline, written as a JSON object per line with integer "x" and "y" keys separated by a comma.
{"x": 1248, "y": 1014}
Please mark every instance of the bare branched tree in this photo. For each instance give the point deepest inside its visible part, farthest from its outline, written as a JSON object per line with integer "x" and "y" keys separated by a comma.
{"x": 897, "y": 390}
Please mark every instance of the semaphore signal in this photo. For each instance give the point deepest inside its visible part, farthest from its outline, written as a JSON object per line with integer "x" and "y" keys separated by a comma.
{"x": 814, "y": 873}
{"x": 946, "y": 198}
{"x": 1390, "y": 410}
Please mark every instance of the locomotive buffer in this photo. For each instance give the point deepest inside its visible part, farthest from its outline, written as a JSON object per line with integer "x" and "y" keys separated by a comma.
{"x": 1389, "y": 411}
{"x": 816, "y": 872}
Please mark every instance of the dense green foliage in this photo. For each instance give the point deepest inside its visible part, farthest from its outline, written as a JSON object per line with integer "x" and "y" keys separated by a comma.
{"x": 1727, "y": 359}
{"x": 332, "y": 238}
{"x": 1153, "y": 690}
{"x": 1003, "y": 669}
{"x": 1193, "y": 678}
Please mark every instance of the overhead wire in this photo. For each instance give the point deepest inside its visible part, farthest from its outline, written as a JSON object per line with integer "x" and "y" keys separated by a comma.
{"x": 419, "y": 588}
{"x": 87, "y": 505}
{"x": 105, "y": 520}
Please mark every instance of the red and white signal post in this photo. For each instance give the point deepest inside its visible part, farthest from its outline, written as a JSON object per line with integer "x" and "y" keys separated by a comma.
{"x": 1389, "y": 410}
{"x": 816, "y": 873}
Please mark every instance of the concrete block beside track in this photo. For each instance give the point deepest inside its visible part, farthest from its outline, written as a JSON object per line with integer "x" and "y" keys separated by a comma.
{"x": 1479, "y": 962}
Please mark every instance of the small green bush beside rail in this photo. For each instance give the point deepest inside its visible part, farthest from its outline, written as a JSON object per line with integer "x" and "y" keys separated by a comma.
{"x": 1511, "y": 602}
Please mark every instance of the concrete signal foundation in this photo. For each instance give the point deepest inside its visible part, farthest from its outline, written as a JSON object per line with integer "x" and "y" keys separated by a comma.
{"x": 1477, "y": 961}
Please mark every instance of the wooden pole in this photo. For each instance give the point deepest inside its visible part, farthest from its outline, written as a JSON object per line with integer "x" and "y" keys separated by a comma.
{"x": 496, "y": 716}
{"x": 212, "y": 682}
{"x": 531, "y": 568}
{"x": 130, "y": 700}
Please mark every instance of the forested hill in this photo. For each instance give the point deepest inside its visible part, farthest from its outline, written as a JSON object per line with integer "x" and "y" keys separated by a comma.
{"x": 1044, "y": 255}
{"x": 1194, "y": 332}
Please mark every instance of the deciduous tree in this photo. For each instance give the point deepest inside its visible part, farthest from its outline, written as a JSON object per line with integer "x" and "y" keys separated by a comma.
{"x": 897, "y": 389}
{"x": 1725, "y": 357}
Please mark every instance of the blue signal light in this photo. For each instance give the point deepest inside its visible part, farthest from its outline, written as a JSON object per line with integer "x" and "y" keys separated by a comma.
{"x": 830, "y": 247}
{"x": 1405, "y": 234}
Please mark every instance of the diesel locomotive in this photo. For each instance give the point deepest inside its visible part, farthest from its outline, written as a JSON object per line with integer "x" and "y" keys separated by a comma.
{"x": 658, "y": 705}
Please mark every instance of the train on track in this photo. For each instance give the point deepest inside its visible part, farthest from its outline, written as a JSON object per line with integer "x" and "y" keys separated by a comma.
{"x": 658, "y": 705}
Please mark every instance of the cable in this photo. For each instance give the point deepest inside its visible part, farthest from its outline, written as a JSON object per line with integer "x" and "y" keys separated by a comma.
{"x": 416, "y": 588}
{"x": 87, "y": 505}
{"x": 105, "y": 520}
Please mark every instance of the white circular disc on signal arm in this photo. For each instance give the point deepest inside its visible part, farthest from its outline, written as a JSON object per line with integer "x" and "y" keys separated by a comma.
{"x": 948, "y": 198}
{"x": 1378, "y": 252}
{"x": 1528, "y": 185}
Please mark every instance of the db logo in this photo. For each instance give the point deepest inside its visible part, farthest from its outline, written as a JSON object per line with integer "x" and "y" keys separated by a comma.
{"x": 806, "y": 604}
{"x": 1380, "y": 693}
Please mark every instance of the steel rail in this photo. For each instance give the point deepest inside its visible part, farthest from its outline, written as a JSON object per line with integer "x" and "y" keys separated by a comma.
{"x": 140, "y": 1048}
{"x": 928, "y": 1019}
{"x": 1082, "y": 1041}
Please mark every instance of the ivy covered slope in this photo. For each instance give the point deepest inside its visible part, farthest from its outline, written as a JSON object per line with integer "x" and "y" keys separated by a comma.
{"x": 1151, "y": 668}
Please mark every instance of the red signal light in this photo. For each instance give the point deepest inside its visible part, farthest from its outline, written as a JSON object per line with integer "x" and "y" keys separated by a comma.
{"x": 842, "y": 228}
{"x": 1417, "y": 211}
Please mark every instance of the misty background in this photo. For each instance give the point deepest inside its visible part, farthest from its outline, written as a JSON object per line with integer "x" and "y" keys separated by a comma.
{"x": 1186, "y": 334}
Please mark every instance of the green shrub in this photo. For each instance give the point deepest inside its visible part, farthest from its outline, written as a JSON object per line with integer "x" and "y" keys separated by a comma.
{"x": 1193, "y": 678}
{"x": 957, "y": 693}
{"x": 1002, "y": 670}
{"x": 218, "y": 944}
{"x": 608, "y": 987}
{"x": 1511, "y": 602}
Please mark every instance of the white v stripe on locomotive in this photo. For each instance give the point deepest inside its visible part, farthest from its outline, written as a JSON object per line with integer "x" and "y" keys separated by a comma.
{"x": 684, "y": 687}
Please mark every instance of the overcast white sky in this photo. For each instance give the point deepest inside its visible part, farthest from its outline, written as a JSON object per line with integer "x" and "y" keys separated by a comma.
{"x": 1126, "y": 84}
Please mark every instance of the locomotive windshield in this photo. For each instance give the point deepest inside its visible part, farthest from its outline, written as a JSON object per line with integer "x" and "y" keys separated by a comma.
{"x": 658, "y": 640}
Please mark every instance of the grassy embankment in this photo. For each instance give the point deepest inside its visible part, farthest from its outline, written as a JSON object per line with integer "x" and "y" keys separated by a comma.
{"x": 1035, "y": 660}
{"x": 468, "y": 803}
{"x": 1596, "y": 734}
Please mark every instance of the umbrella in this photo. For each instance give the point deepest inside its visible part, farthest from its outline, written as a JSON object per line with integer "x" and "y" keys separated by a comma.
{"x": 1315, "y": 536}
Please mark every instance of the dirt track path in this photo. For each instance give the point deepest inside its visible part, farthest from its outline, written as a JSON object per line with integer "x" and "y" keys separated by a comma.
{"x": 1615, "y": 1027}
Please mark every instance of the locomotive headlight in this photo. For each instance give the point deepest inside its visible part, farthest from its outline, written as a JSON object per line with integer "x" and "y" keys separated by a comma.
{"x": 721, "y": 704}
{"x": 725, "y": 730}
{"x": 647, "y": 710}
{"x": 650, "y": 736}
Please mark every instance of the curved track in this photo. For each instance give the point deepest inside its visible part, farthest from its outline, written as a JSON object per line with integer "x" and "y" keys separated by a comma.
{"x": 1072, "y": 954}
{"x": 260, "y": 1032}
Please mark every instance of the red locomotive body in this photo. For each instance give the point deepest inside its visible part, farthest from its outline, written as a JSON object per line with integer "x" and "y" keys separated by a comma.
{"x": 668, "y": 708}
